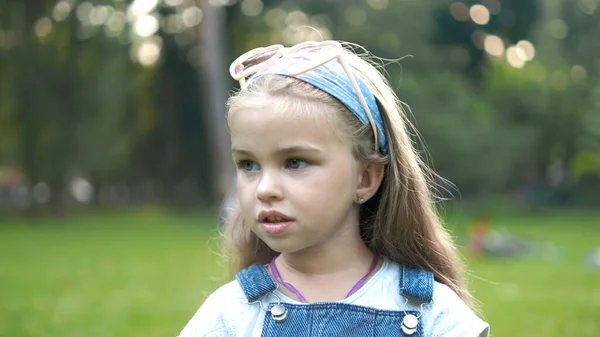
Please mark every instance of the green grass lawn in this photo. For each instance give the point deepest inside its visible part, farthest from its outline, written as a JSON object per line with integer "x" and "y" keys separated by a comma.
{"x": 146, "y": 272}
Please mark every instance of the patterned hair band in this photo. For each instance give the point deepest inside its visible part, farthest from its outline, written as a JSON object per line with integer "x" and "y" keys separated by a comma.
{"x": 332, "y": 79}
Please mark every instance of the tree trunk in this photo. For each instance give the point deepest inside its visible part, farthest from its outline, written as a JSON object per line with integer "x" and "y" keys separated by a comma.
{"x": 213, "y": 75}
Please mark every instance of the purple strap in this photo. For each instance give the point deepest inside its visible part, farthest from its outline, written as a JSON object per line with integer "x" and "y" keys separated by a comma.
{"x": 301, "y": 298}
{"x": 361, "y": 282}
{"x": 285, "y": 284}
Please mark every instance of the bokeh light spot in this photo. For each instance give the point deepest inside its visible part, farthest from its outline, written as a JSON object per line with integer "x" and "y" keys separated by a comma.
{"x": 513, "y": 57}
{"x": 493, "y": 6}
{"x": 252, "y": 7}
{"x": 479, "y": 14}
{"x": 296, "y": 18}
{"x": 191, "y": 16}
{"x": 145, "y": 25}
{"x": 588, "y": 6}
{"x": 355, "y": 16}
{"x": 275, "y": 18}
{"x": 61, "y": 10}
{"x": 493, "y": 45}
{"x": 578, "y": 74}
{"x": 526, "y": 50}
{"x": 557, "y": 28}
{"x": 459, "y": 11}
{"x": 378, "y": 4}
{"x": 41, "y": 193}
{"x": 83, "y": 11}
{"x": 478, "y": 38}
{"x": 42, "y": 27}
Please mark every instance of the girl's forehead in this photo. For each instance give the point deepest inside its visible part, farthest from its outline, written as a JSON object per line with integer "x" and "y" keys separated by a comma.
{"x": 273, "y": 111}
{"x": 273, "y": 124}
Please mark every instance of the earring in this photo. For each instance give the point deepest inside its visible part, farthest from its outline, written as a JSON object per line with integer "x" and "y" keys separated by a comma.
{"x": 359, "y": 200}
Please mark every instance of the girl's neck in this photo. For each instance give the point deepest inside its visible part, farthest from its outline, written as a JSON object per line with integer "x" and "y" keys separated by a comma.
{"x": 324, "y": 276}
{"x": 328, "y": 271}
{"x": 332, "y": 258}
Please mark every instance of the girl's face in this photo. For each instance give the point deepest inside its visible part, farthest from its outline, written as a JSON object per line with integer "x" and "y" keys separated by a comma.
{"x": 296, "y": 178}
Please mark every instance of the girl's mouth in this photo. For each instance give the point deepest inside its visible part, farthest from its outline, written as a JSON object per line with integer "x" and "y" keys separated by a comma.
{"x": 274, "y": 222}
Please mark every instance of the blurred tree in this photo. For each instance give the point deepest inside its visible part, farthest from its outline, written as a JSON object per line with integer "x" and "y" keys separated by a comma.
{"x": 120, "y": 92}
{"x": 462, "y": 130}
{"x": 457, "y": 27}
{"x": 501, "y": 128}
{"x": 580, "y": 44}
{"x": 82, "y": 108}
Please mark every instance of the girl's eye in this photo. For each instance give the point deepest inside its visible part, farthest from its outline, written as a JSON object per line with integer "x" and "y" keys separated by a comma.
{"x": 248, "y": 165}
{"x": 297, "y": 164}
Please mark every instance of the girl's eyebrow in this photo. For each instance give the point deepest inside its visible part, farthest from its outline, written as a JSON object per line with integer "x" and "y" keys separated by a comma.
{"x": 282, "y": 150}
{"x": 240, "y": 152}
{"x": 299, "y": 148}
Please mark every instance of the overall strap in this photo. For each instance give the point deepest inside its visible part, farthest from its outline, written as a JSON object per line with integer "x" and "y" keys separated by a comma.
{"x": 255, "y": 282}
{"x": 416, "y": 284}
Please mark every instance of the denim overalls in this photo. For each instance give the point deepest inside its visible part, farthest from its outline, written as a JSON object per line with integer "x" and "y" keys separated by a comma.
{"x": 337, "y": 319}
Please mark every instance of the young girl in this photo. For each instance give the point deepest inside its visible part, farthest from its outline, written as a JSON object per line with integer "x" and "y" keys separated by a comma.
{"x": 335, "y": 231}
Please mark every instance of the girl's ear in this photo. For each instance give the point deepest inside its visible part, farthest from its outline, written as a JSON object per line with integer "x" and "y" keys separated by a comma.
{"x": 369, "y": 181}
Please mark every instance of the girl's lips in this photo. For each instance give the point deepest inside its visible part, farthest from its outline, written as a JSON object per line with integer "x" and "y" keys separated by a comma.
{"x": 276, "y": 227}
{"x": 274, "y": 222}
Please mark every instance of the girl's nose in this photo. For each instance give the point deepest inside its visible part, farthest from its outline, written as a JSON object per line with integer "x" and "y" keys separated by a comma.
{"x": 269, "y": 187}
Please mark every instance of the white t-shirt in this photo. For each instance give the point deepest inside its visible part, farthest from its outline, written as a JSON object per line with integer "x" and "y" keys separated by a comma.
{"x": 226, "y": 312}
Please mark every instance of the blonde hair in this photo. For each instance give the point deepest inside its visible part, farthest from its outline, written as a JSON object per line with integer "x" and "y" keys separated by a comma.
{"x": 400, "y": 222}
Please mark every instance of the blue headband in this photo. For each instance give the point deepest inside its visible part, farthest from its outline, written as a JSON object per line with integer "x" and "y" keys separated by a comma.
{"x": 332, "y": 79}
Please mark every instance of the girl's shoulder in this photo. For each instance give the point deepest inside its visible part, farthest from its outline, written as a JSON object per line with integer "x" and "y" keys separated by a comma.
{"x": 449, "y": 315}
{"x": 445, "y": 315}
{"x": 220, "y": 313}
{"x": 230, "y": 291}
